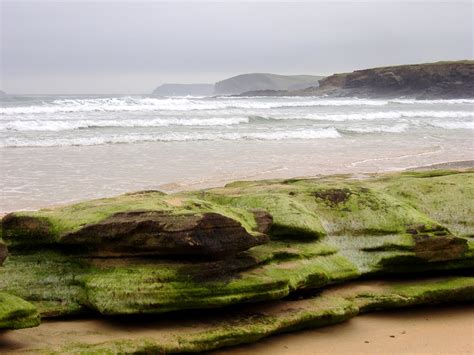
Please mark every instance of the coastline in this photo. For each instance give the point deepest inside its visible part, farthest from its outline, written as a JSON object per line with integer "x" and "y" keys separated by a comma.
{"x": 237, "y": 178}
{"x": 176, "y": 187}
{"x": 35, "y": 178}
{"x": 173, "y": 187}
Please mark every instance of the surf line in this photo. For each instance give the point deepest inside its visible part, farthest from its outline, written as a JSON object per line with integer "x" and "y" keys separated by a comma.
{"x": 436, "y": 149}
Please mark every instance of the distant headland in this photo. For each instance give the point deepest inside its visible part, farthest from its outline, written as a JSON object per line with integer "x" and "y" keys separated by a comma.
{"x": 444, "y": 80}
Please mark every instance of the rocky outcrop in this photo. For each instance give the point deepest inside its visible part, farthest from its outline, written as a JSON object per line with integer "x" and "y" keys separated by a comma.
{"x": 433, "y": 80}
{"x": 140, "y": 233}
{"x": 264, "y": 81}
{"x": 198, "y": 332}
{"x": 248, "y": 243}
{"x": 184, "y": 90}
{"x": 441, "y": 80}
{"x": 138, "y": 224}
{"x": 155, "y": 233}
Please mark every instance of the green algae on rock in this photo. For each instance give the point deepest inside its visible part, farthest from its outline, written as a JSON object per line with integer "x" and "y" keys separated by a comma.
{"x": 16, "y": 313}
{"x": 143, "y": 216}
{"x": 197, "y": 332}
{"x": 446, "y": 196}
{"x": 60, "y": 285}
{"x": 246, "y": 242}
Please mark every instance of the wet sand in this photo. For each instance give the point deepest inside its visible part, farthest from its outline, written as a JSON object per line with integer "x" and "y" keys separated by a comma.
{"x": 425, "y": 330}
{"x": 442, "y": 329}
{"x": 31, "y": 178}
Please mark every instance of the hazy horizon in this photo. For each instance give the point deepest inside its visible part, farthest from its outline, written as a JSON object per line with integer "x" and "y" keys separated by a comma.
{"x": 112, "y": 47}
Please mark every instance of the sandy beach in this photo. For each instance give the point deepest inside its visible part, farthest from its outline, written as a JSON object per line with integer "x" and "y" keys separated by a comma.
{"x": 33, "y": 178}
{"x": 427, "y": 330}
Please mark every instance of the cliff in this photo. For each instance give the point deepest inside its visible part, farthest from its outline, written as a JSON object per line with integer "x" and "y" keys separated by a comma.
{"x": 432, "y": 80}
{"x": 184, "y": 90}
{"x": 264, "y": 81}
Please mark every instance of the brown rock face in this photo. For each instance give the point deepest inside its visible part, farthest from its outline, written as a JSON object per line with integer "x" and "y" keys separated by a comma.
{"x": 441, "y": 248}
{"x": 264, "y": 221}
{"x": 432, "y": 80}
{"x": 17, "y": 228}
{"x": 159, "y": 233}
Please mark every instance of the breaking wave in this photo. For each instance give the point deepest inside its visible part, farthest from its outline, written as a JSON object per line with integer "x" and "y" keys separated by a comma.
{"x": 62, "y": 121}
{"x": 173, "y": 137}
{"x": 430, "y": 102}
{"x": 70, "y": 124}
{"x": 390, "y": 115}
{"x": 150, "y": 104}
{"x": 398, "y": 128}
{"x": 454, "y": 125}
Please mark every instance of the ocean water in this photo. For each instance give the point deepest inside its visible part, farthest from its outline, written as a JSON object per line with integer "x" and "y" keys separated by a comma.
{"x": 50, "y": 121}
{"x": 58, "y": 149}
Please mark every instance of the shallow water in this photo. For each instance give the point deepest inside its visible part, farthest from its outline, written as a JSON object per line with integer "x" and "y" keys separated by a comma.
{"x": 61, "y": 149}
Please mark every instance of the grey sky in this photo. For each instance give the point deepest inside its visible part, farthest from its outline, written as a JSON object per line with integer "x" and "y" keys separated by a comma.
{"x": 131, "y": 47}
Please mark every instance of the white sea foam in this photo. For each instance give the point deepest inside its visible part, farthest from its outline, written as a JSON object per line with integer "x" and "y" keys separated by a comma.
{"x": 431, "y": 102}
{"x": 172, "y": 137}
{"x": 70, "y": 124}
{"x": 149, "y": 104}
{"x": 398, "y": 128}
{"x": 129, "y": 104}
{"x": 90, "y": 121}
{"x": 453, "y": 124}
{"x": 389, "y": 115}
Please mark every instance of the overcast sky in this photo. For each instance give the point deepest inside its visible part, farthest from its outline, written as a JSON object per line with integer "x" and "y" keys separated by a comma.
{"x": 131, "y": 47}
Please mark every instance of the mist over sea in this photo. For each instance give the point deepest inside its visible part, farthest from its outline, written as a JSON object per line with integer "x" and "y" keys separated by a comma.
{"x": 57, "y": 149}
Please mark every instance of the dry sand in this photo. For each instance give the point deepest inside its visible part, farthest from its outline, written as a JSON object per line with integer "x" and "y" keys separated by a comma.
{"x": 426, "y": 330}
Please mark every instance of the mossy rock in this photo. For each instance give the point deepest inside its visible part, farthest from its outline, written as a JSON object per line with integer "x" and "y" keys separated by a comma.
{"x": 446, "y": 196}
{"x": 115, "y": 227}
{"x": 59, "y": 284}
{"x": 325, "y": 230}
{"x": 291, "y": 219}
{"x": 16, "y": 313}
{"x": 204, "y": 331}
{"x": 317, "y": 207}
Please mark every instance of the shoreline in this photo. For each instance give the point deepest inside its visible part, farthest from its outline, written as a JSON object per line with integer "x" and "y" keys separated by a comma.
{"x": 34, "y": 178}
{"x": 420, "y": 330}
{"x": 173, "y": 187}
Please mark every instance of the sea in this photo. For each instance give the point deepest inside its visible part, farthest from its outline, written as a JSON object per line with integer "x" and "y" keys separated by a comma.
{"x": 57, "y": 149}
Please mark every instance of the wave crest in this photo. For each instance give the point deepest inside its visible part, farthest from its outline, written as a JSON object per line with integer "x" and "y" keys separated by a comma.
{"x": 173, "y": 137}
